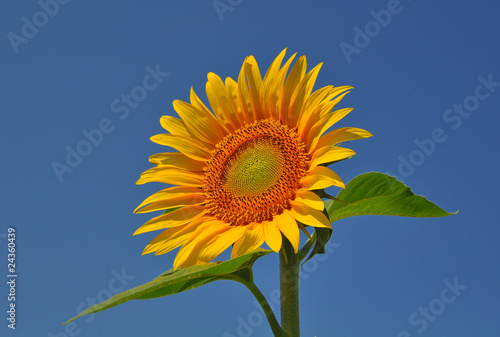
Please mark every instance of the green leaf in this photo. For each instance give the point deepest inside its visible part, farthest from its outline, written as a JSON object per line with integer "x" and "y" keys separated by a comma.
{"x": 376, "y": 193}
{"x": 306, "y": 247}
{"x": 323, "y": 235}
{"x": 173, "y": 282}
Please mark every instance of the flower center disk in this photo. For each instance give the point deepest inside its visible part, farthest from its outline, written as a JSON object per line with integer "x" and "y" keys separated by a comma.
{"x": 254, "y": 168}
{"x": 254, "y": 172}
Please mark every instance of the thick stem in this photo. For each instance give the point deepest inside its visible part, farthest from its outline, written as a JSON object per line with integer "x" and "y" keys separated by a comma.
{"x": 289, "y": 288}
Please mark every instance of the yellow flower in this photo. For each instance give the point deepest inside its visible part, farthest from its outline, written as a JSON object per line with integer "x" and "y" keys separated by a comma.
{"x": 246, "y": 173}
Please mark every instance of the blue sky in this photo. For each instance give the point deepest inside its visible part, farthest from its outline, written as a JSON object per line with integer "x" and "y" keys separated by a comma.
{"x": 427, "y": 85}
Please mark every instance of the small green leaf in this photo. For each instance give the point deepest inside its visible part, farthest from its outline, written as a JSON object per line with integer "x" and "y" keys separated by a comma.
{"x": 376, "y": 193}
{"x": 323, "y": 235}
{"x": 173, "y": 282}
{"x": 306, "y": 247}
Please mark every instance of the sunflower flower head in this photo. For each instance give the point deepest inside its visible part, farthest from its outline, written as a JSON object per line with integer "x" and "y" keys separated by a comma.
{"x": 248, "y": 170}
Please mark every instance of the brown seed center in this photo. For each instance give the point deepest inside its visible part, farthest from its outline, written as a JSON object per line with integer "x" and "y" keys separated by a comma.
{"x": 253, "y": 173}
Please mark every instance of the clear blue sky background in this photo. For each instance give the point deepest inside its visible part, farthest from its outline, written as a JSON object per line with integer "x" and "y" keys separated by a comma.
{"x": 74, "y": 235}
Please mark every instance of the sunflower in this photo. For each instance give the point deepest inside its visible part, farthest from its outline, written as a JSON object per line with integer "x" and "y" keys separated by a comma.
{"x": 250, "y": 171}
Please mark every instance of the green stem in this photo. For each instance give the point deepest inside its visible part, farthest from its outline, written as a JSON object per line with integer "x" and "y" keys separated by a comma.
{"x": 247, "y": 281}
{"x": 322, "y": 194}
{"x": 273, "y": 322}
{"x": 289, "y": 288}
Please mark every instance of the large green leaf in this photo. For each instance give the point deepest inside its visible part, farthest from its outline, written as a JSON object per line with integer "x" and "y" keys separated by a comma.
{"x": 173, "y": 282}
{"x": 380, "y": 194}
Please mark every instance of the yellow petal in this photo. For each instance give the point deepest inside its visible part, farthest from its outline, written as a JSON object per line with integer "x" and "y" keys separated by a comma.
{"x": 173, "y": 219}
{"x": 321, "y": 177}
{"x": 172, "y": 176}
{"x": 188, "y": 255}
{"x": 220, "y": 243}
{"x": 330, "y": 154}
{"x": 174, "y": 125}
{"x": 288, "y": 226}
{"x": 342, "y": 135}
{"x": 335, "y": 94}
{"x": 324, "y": 124}
{"x": 272, "y": 235}
{"x": 331, "y": 104}
{"x": 302, "y": 93}
{"x": 254, "y": 81}
{"x": 188, "y": 146}
{"x": 202, "y": 125}
{"x": 244, "y": 97}
{"x": 268, "y": 96}
{"x": 198, "y": 104}
{"x": 232, "y": 89}
{"x": 310, "y": 199}
{"x": 277, "y": 88}
{"x": 308, "y": 116}
{"x": 308, "y": 215}
{"x": 167, "y": 235}
{"x": 296, "y": 74}
{"x": 176, "y": 159}
{"x": 179, "y": 236}
{"x": 173, "y": 201}
{"x": 220, "y": 102}
{"x": 317, "y": 105}
{"x": 252, "y": 239}
{"x": 154, "y": 244}
{"x": 168, "y": 193}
